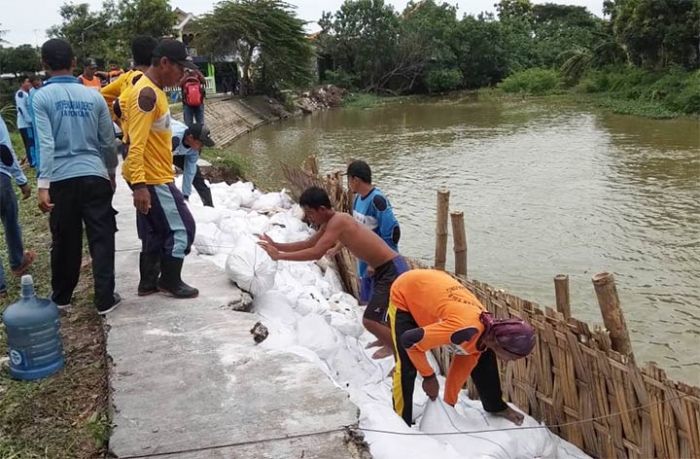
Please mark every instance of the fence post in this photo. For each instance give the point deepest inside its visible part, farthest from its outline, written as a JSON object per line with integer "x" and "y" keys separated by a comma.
{"x": 459, "y": 237}
{"x": 561, "y": 293}
{"x": 443, "y": 205}
{"x": 613, "y": 318}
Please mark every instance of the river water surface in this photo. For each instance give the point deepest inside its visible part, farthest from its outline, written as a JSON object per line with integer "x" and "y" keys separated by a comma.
{"x": 544, "y": 190}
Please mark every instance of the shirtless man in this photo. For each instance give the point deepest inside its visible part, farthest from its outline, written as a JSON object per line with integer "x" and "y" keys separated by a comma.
{"x": 362, "y": 242}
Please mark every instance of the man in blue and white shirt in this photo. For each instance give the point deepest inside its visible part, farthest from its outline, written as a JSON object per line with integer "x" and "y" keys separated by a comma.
{"x": 187, "y": 143}
{"x": 24, "y": 121}
{"x": 9, "y": 169}
{"x": 77, "y": 160}
{"x": 373, "y": 210}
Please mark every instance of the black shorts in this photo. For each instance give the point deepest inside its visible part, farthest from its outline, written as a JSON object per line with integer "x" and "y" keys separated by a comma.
{"x": 383, "y": 277}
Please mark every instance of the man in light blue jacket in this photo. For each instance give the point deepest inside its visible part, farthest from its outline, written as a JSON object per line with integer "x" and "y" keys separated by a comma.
{"x": 9, "y": 169}
{"x": 24, "y": 122}
{"x": 77, "y": 160}
{"x": 187, "y": 144}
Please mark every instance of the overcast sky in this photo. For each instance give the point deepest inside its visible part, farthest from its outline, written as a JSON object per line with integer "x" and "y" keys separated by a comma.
{"x": 27, "y": 22}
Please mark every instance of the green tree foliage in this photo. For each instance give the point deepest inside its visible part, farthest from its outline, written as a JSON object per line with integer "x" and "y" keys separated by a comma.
{"x": 106, "y": 33}
{"x": 657, "y": 33}
{"x": 265, "y": 38}
{"x": 480, "y": 45}
{"x": 145, "y": 17}
{"x": 442, "y": 80}
{"x": 91, "y": 33}
{"x": 22, "y": 59}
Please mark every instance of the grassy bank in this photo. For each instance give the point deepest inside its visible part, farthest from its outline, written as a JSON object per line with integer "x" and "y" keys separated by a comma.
{"x": 625, "y": 90}
{"x": 361, "y": 100}
{"x": 227, "y": 166}
{"x": 66, "y": 415}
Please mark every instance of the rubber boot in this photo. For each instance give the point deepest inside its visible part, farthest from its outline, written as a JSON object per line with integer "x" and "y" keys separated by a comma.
{"x": 149, "y": 267}
{"x": 205, "y": 194}
{"x": 170, "y": 280}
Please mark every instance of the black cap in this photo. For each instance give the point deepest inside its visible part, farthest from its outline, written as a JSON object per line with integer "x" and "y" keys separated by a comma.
{"x": 90, "y": 63}
{"x": 201, "y": 132}
{"x": 175, "y": 51}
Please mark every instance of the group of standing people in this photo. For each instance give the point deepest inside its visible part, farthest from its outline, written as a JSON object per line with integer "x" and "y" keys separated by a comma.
{"x": 71, "y": 124}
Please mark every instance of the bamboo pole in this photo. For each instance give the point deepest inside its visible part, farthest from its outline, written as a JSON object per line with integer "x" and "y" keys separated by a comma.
{"x": 561, "y": 293}
{"x": 443, "y": 205}
{"x": 613, "y": 318}
{"x": 459, "y": 236}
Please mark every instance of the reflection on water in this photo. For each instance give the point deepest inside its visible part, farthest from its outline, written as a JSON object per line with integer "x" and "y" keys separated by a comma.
{"x": 544, "y": 190}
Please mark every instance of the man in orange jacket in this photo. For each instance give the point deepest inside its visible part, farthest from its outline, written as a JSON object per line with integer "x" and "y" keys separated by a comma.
{"x": 428, "y": 309}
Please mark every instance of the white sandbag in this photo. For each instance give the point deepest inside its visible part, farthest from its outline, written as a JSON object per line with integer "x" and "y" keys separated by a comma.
{"x": 204, "y": 214}
{"x": 314, "y": 332}
{"x": 288, "y": 221}
{"x": 333, "y": 281}
{"x": 438, "y": 417}
{"x": 379, "y": 415}
{"x": 344, "y": 300}
{"x": 311, "y": 301}
{"x": 347, "y": 326}
{"x": 243, "y": 192}
{"x": 257, "y": 223}
{"x": 250, "y": 267}
{"x": 206, "y": 239}
{"x": 268, "y": 201}
{"x": 273, "y": 305}
{"x": 231, "y": 224}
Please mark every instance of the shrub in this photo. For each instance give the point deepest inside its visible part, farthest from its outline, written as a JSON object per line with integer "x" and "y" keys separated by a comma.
{"x": 443, "y": 80}
{"x": 532, "y": 81}
{"x": 340, "y": 78}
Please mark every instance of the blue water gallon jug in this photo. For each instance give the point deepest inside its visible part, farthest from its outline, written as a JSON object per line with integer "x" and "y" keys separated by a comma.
{"x": 33, "y": 337}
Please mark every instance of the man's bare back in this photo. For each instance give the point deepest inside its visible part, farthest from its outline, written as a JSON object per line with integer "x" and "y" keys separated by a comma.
{"x": 362, "y": 242}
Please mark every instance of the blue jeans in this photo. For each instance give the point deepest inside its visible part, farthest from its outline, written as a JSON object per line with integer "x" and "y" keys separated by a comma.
{"x": 193, "y": 112}
{"x": 10, "y": 222}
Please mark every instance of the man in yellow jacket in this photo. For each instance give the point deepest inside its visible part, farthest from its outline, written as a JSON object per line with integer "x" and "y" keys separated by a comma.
{"x": 165, "y": 225}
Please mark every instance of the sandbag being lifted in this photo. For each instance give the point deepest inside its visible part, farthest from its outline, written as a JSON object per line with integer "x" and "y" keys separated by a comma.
{"x": 250, "y": 267}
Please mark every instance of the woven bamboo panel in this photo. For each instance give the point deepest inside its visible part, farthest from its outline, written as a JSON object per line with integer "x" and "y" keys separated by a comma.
{"x": 589, "y": 394}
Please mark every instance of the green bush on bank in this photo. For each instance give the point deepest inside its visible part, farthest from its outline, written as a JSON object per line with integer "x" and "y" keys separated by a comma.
{"x": 443, "y": 80}
{"x": 535, "y": 81}
{"x": 674, "y": 91}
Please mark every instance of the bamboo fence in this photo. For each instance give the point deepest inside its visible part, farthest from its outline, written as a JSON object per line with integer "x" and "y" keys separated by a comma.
{"x": 574, "y": 381}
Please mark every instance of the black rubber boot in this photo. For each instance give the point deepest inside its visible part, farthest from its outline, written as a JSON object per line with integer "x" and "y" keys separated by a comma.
{"x": 205, "y": 194}
{"x": 170, "y": 280}
{"x": 149, "y": 267}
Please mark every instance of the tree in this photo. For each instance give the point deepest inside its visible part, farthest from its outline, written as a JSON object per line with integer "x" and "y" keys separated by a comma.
{"x": 558, "y": 28}
{"x": 480, "y": 44}
{"x": 91, "y": 33}
{"x": 366, "y": 36}
{"x": 657, "y": 33}
{"x": 265, "y": 38}
{"x": 22, "y": 59}
{"x": 150, "y": 17}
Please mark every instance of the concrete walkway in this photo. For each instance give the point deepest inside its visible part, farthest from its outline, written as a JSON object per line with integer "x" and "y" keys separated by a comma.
{"x": 187, "y": 374}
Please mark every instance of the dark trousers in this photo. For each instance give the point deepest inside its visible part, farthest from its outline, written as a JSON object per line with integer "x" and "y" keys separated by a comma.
{"x": 28, "y": 141}
{"x": 199, "y": 184}
{"x": 168, "y": 228}
{"x": 78, "y": 201}
{"x": 10, "y": 222}
{"x": 192, "y": 115}
{"x": 485, "y": 373}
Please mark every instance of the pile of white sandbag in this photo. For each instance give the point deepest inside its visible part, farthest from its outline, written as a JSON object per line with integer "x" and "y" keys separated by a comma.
{"x": 307, "y": 313}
